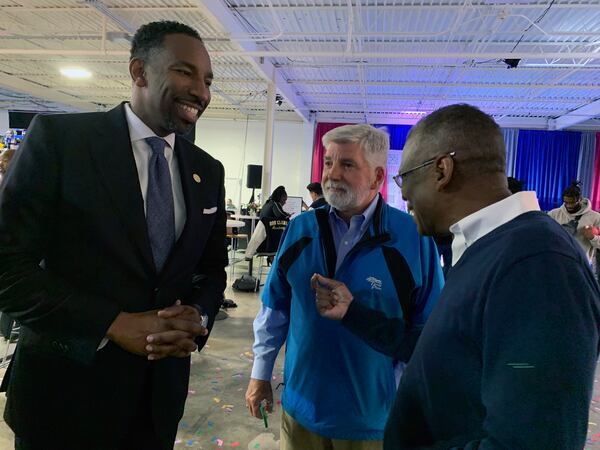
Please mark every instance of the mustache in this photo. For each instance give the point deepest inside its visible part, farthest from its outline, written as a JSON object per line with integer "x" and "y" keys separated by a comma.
{"x": 336, "y": 185}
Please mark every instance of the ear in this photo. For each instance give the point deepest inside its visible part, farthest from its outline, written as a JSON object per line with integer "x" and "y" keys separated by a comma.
{"x": 379, "y": 177}
{"x": 137, "y": 72}
{"x": 444, "y": 170}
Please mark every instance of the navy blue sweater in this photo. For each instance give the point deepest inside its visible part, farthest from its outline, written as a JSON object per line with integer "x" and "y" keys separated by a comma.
{"x": 507, "y": 357}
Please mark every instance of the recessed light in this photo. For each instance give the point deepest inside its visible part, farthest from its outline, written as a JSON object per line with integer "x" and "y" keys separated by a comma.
{"x": 414, "y": 112}
{"x": 75, "y": 72}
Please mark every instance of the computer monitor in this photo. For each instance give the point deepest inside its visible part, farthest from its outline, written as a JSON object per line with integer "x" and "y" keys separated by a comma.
{"x": 293, "y": 206}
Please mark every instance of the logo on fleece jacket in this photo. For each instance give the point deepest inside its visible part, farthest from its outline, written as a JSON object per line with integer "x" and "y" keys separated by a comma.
{"x": 375, "y": 283}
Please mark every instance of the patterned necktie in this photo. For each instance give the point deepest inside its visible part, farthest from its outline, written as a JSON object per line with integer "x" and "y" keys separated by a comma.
{"x": 160, "y": 210}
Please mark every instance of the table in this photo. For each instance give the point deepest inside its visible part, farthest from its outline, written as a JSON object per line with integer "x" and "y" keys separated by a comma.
{"x": 235, "y": 223}
{"x": 253, "y": 220}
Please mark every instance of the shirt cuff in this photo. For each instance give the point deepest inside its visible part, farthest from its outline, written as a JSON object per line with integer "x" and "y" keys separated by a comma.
{"x": 262, "y": 368}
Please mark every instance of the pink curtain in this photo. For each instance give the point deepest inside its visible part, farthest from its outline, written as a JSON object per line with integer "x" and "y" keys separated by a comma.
{"x": 319, "y": 153}
{"x": 319, "y": 150}
{"x": 595, "y": 197}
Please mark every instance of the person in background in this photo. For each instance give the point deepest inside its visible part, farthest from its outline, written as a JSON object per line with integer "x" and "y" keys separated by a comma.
{"x": 579, "y": 220}
{"x": 273, "y": 208}
{"x": 112, "y": 258}
{"x": 507, "y": 358}
{"x": 338, "y": 389}
{"x": 316, "y": 194}
{"x": 229, "y": 206}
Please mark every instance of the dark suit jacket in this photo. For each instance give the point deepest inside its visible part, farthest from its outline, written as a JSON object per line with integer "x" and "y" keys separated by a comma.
{"x": 318, "y": 203}
{"x": 74, "y": 252}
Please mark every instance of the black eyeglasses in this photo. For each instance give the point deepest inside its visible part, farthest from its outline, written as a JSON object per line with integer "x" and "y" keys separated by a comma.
{"x": 398, "y": 178}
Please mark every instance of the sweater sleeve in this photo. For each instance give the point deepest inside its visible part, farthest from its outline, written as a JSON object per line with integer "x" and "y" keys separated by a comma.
{"x": 539, "y": 351}
{"x": 384, "y": 334}
{"x": 397, "y": 337}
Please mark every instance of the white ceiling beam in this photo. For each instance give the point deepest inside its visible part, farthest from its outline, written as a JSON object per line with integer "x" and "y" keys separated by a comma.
{"x": 407, "y": 55}
{"x": 381, "y": 6}
{"x": 393, "y": 97}
{"x": 585, "y": 87}
{"x": 36, "y": 90}
{"x": 61, "y": 52}
{"x": 63, "y": 9}
{"x": 218, "y": 14}
{"x": 441, "y": 35}
{"x": 356, "y": 107}
{"x": 579, "y": 115}
{"x": 535, "y": 123}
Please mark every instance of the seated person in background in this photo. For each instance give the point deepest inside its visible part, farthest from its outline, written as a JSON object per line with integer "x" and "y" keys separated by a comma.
{"x": 229, "y": 206}
{"x": 316, "y": 193}
{"x": 274, "y": 206}
{"x": 266, "y": 236}
{"x": 579, "y": 220}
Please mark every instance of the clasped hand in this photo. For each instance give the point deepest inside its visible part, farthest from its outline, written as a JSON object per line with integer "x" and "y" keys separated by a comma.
{"x": 157, "y": 334}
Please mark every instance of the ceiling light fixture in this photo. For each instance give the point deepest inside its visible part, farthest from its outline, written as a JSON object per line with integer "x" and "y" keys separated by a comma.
{"x": 414, "y": 112}
{"x": 75, "y": 72}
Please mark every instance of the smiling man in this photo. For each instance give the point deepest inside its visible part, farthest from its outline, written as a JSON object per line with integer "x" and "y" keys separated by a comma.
{"x": 338, "y": 388}
{"x": 112, "y": 248}
{"x": 506, "y": 360}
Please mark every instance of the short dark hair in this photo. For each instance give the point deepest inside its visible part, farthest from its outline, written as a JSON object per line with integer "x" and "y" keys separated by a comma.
{"x": 573, "y": 190}
{"x": 469, "y": 132}
{"x": 315, "y": 187}
{"x": 514, "y": 185}
{"x": 151, "y": 36}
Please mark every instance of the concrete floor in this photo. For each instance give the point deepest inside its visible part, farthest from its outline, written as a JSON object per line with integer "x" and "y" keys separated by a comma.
{"x": 215, "y": 415}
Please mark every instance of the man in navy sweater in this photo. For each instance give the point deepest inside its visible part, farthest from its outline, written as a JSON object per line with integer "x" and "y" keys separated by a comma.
{"x": 507, "y": 357}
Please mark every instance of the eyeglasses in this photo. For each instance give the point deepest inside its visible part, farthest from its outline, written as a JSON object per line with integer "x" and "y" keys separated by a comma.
{"x": 398, "y": 178}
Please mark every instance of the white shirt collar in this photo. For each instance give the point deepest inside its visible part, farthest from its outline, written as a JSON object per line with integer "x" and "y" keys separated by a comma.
{"x": 138, "y": 130}
{"x": 469, "y": 229}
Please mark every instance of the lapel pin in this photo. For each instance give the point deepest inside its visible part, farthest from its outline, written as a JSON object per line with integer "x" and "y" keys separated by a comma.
{"x": 197, "y": 178}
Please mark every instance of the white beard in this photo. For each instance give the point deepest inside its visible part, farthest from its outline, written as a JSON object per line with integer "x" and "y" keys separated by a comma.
{"x": 342, "y": 201}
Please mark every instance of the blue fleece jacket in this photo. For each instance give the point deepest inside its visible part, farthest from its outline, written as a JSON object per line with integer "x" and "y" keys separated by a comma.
{"x": 336, "y": 385}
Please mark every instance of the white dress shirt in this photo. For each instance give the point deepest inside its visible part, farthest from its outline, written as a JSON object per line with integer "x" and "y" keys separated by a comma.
{"x": 138, "y": 132}
{"x": 467, "y": 230}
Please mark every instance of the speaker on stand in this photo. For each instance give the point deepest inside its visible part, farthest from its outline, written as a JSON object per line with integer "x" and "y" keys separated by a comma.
{"x": 253, "y": 181}
{"x": 253, "y": 178}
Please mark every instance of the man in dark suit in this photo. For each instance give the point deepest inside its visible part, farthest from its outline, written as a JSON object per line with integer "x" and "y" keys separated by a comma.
{"x": 112, "y": 245}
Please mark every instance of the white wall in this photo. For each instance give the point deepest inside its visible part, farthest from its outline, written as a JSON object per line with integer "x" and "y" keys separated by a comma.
{"x": 237, "y": 143}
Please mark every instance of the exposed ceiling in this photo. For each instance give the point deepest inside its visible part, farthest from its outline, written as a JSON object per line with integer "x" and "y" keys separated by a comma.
{"x": 379, "y": 61}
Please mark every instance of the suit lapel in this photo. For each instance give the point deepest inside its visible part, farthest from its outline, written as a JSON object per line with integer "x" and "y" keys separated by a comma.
{"x": 114, "y": 159}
